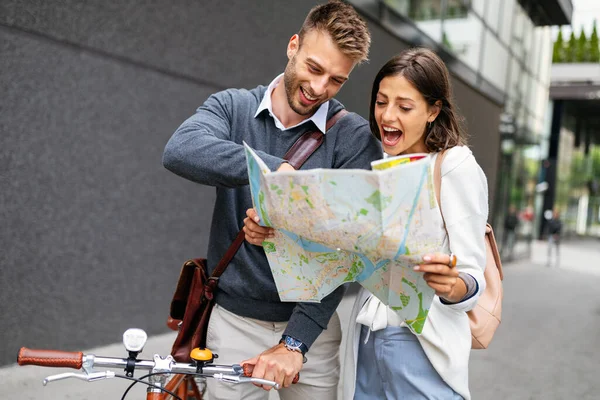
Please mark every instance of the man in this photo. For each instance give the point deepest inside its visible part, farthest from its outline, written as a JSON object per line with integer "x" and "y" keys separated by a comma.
{"x": 554, "y": 228}
{"x": 511, "y": 221}
{"x": 249, "y": 321}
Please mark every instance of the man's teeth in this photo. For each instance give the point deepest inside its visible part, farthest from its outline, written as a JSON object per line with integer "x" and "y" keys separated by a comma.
{"x": 307, "y": 95}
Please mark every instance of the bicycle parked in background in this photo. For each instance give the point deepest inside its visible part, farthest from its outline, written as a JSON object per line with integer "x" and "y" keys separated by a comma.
{"x": 187, "y": 380}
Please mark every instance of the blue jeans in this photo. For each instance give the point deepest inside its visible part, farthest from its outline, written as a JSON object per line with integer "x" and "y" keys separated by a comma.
{"x": 393, "y": 365}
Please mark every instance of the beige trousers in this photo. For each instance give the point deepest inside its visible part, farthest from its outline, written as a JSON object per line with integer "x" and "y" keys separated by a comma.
{"x": 236, "y": 338}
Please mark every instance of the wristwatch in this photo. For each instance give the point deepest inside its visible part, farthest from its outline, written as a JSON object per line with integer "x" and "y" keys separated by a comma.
{"x": 293, "y": 344}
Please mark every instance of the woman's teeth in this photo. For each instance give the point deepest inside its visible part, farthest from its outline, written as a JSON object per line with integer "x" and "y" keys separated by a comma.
{"x": 391, "y": 136}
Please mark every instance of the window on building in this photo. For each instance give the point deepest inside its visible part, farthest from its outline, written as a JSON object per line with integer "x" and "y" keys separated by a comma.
{"x": 478, "y": 7}
{"x": 494, "y": 61}
{"x": 507, "y": 15}
{"x": 463, "y": 36}
{"x": 492, "y": 14}
{"x": 514, "y": 79}
{"x": 426, "y": 14}
{"x": 455, "y": 9}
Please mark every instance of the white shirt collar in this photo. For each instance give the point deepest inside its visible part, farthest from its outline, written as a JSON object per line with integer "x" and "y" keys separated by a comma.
{"x": 319, "y": 118}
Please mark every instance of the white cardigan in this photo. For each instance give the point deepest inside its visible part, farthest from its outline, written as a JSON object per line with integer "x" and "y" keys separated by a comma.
{"x": 446, "y": 337}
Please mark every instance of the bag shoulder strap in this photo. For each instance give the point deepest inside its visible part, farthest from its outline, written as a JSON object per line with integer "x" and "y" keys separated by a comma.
{"x": 300, "y": 151}
{"x": 306, "y": 144}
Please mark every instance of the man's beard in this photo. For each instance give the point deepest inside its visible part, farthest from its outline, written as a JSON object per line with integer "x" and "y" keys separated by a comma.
{"x": 292, "y": 87}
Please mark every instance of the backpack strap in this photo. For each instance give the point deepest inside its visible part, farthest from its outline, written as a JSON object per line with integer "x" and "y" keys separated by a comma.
{"x": 489, "y": 232}
{"x": 437, "y": 180}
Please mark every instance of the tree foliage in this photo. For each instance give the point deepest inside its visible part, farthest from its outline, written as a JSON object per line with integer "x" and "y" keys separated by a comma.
{"x": 582, "y": 52}
{"x": 558, "y": 52}
{"x": 572, "y": 48}
{"x": 576, "y": 50}
{"x": 594, "y": 46}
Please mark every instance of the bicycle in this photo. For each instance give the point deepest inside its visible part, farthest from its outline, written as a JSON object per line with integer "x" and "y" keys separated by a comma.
{"x": 188, "y": 381}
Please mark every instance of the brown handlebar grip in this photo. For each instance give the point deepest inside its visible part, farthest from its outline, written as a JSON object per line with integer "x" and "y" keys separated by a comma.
{"x": 248, "y": 368}
{"x": 50, "y": 358}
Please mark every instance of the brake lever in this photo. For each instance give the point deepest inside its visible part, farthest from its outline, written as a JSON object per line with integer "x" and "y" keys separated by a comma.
{"x": 245, "y": 379}
{"x": 91, "y": 377}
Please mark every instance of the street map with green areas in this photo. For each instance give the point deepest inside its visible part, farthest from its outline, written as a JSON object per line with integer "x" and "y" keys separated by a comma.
{"x": 347, "y": 225}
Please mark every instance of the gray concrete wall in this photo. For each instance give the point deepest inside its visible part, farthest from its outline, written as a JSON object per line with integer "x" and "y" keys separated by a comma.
{"x": 92, "y": 229}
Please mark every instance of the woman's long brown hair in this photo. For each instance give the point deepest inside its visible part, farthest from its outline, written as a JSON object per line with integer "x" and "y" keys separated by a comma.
{"x": 429, "y": 75}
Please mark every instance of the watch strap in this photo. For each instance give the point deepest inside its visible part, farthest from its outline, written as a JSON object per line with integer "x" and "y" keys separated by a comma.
{"x": 301, "y": 346}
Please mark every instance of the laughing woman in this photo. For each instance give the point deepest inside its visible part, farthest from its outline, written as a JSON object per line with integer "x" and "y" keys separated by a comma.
{"x": 411, "y": 111}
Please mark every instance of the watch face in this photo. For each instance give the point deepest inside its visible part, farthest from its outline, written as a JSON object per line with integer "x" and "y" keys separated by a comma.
{"x": 290, "y": 341}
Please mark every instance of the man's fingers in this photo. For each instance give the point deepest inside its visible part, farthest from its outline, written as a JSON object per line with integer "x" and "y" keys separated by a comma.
{"x": 259, "y": 369}
{"x": 270, "y": 372}
{"x": 289, "y": 378}
{"x": 285, "y": 167}
{"x": 249, "y": 236}
{"x": 254, "y": 227}
{"x": 256, "y": 234}
{"x": 253, "y": 215}
{"x": 271, "y": 376}
{"x": 252, "y": 361}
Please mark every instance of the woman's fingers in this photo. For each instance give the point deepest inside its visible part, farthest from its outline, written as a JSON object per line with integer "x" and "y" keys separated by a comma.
{"x": 439, "y": 272}
{"x": 440, "y": 279}
{"x": 440, "y": 258}
{"x": 439, "y": 269}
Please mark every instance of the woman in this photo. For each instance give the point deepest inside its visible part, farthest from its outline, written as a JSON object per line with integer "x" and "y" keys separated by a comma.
{"x": 412, "y": 112}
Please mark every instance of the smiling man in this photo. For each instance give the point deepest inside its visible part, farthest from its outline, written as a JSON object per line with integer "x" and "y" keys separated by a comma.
{"x": 249, "y": 322}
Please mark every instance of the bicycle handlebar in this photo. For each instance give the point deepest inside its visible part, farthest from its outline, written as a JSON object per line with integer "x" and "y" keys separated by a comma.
{"x": 77, "y": 360}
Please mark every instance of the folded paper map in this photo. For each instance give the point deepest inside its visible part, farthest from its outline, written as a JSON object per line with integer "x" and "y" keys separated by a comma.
{"x": 347, "y": 225}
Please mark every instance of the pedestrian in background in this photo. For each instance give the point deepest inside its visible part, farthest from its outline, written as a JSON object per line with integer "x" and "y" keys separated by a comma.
{"x": 511, "y": 222}
{"x": 249, "y": 321}
{"x": 412, "y": 111}
{"x": 553, "y": 230}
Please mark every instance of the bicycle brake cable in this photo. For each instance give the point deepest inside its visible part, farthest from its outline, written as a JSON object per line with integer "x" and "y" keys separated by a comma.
{"x": 140, "y": 380}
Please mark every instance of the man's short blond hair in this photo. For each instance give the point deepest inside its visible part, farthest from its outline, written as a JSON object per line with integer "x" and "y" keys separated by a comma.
{"x": 347, "y": 29}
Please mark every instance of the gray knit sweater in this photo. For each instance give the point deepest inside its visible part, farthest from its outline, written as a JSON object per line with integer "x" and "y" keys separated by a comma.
{"x": 207, "y": 148}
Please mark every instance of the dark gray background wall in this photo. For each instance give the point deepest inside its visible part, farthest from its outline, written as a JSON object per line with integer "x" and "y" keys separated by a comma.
{"x": 93, "y": 230}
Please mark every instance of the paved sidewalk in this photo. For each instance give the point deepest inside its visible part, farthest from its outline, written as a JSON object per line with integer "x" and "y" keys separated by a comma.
{"x": 548, "y": 347}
